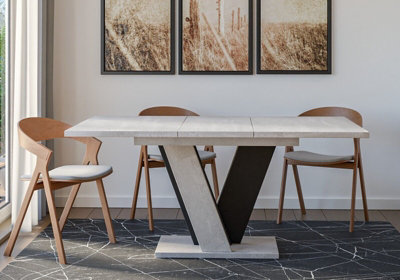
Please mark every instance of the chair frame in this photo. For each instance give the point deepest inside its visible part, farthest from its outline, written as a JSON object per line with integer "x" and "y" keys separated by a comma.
{"x": 355, "y": 164}
{"x": 31, "y": 131}
{"x": 148, "y": 163}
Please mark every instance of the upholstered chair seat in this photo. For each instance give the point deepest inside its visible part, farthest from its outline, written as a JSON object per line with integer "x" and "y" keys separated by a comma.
{"x": 204, "y": 155}
{"x": 309, "y": 157}
{"x": 77, "y": 173}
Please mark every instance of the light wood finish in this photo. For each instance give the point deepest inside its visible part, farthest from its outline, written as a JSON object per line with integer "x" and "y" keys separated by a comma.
{"x": 79, "y": 213}
{"x": 31, "y": 131}
{"x": 97, "y": 213}
{"x": 311, "y": 215}
{"x": 258, "y": 214}
{"x": 126, "y": 214}
{"x": 393, "y": 217}
{"x": 287, "y": 214}
{"x": 24, "y": 240}
{"x": 5, "y": 230}
{"x": 148, "y": 163}
{"x": 355, "y": 164}
{"x": 373, "y": 215}
{"x": 336, "y": 215}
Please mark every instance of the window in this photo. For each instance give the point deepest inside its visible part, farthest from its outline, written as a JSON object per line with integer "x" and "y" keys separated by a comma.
{"x": 4, "y": 193}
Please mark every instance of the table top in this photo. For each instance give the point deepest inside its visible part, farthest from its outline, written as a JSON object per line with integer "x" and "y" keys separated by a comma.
{"x": 218, "y": 127}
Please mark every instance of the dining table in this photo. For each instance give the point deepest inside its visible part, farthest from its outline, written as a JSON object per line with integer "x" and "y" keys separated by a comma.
{"x": 217, "y": 227}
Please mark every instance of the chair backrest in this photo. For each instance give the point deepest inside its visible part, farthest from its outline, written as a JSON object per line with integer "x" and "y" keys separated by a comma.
{"x": 351, "y": 114}
{"x": 41, "y": 129}
{"x": 166, "y": 111}
{"x": 33, "y": 130}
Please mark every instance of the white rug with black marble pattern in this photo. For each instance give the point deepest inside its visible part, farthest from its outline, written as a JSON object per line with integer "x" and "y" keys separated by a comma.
{"x": 308, "y": 250}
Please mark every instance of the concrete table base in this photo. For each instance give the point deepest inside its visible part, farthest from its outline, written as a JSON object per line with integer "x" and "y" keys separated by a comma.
{"x": 251, "y": 247}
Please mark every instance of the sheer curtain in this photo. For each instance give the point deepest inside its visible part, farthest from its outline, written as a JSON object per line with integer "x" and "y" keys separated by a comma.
{"x": 27, "y": 89}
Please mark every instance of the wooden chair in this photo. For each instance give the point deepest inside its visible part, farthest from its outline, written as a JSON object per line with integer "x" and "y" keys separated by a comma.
{"x": 305, "y": 158}
{"x": 156, "y": 161}
{"x": 33, "y": 130}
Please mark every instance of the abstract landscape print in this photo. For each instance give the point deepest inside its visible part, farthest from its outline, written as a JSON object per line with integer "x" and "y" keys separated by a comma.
{"x": 294, "y": 36}
{"x": 138, "y": 37}
{"x": 215, "y": 36}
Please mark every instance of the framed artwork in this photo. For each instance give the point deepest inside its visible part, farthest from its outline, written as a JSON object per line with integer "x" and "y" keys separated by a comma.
{"x": 138, "y": 37}
{"x": 294, "y": 36}
{"x": 216, "y": 37}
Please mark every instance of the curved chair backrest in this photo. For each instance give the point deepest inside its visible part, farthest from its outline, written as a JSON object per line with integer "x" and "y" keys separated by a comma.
{"x": 351, "y": 114}
{"x": 33, "y": 130}
{"x": 167, "y": 111}
{"x": 41, "y": 129}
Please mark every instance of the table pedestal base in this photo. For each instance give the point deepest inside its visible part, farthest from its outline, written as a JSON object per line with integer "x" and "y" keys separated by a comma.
{"x": 251, "y": 247}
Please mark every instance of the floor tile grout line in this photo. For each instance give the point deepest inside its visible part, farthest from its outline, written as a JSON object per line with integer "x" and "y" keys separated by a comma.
{"x": 383, "y": 215}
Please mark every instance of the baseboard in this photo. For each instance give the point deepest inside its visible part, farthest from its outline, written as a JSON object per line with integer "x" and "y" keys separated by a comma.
{"x": 262, "y": 202}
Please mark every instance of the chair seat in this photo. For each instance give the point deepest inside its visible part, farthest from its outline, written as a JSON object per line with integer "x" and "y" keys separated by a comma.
{"x": 77, "y": 173}
{"x": 204, "y": 155}
{"x": 310, "y": 157}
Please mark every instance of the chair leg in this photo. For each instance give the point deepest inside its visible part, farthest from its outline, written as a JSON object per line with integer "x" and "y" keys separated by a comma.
{"x": 298, "y": 187}
{"x": 54, "y": 221}
{"x": 148, "y": 192}
{"x": 215, "y": 179}
{"x": 282, "y": 195}
{"x": 354, "y": 187}
{"x": 137, "y": 185}
{"x": 106, "y": 211}
{"x": 21, "y": 216}
{"x": 68, "y": 206}
{"x": 363, "y": 192}
{"x": 353, "y": 199}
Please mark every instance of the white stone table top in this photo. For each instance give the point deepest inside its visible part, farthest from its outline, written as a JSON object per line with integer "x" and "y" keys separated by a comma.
{"x": 144, "y": 126}
{"x": 307, "y": 127}
{"x": 218, "y": 127}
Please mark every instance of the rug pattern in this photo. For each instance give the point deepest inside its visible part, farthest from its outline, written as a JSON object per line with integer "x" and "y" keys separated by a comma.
{"x": 308, "y": 250}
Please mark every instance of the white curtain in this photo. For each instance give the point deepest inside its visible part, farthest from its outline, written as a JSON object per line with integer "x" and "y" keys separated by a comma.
{"x": 25, "y": 57}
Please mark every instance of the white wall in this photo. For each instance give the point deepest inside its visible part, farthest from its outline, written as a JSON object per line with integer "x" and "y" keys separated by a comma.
{"x": 366, "y": 63}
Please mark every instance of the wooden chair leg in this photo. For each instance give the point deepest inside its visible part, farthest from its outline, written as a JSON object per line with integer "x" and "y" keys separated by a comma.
{"x": 354, "y": 187}
{"x": 282, "y": 195}
{"x": 137, "y": 185}
{"x": 148, "y": 192}
{"x": 298, "y": 187}
{"x": 106, "y": 211}
{"x": 363, "y": 192}
{"x": 21, "y": 216}
{"x": 54, "y": 221}
{"x": 353, "y": 200}
{"x": 68, "y": 206}
{"x": 215, "y": 179}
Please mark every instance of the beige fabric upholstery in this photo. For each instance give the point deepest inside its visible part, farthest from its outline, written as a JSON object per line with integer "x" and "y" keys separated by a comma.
{"x": 204, "y": 155}
{"x": 316, "y": 158}
{"x": 77, "y": 173}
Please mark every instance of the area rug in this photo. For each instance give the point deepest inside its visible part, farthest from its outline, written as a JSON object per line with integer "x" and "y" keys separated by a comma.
{"x": 308, "y": 250}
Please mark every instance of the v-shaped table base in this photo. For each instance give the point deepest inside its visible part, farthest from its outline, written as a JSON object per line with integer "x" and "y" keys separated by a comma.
{"x": 217, "y": 229}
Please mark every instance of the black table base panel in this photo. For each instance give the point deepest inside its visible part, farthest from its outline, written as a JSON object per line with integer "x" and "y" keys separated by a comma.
{"x": 241, "y": 188}
{"x": 178, "y": 195}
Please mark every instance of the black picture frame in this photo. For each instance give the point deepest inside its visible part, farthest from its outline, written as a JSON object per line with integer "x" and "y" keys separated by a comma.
{"x": 250, "y": 71}
{"x": 146, "y": 72}
{"x": 329, "y": 47}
